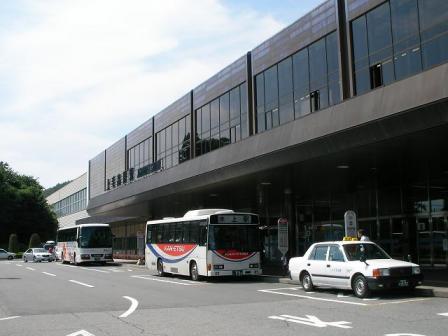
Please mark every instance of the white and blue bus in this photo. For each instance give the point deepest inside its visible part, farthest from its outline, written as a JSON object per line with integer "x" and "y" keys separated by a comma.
{"x": 84, "y": 243}
{"x": 207, "y": 242}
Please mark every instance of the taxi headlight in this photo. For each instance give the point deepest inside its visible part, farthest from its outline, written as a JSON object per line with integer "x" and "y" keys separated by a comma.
{"x": 377, "y": 272}
{"x": 416, "y": 270}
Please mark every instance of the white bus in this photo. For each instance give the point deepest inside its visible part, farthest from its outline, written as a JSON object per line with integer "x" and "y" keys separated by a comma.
{"x": 84, "y": 243}
{"x": 208, "y": 242}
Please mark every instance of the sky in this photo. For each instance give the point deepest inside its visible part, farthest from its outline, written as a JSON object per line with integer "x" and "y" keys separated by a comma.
{"x": 77, "y": 75}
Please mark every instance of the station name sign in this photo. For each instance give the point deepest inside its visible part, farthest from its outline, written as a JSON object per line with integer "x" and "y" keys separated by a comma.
{"x": 129, "y": 176}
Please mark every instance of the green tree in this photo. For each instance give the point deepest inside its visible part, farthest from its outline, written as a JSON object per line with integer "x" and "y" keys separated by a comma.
{"x": 13, "y": 243}
{"x": 23, "y": 208}
{"x": 34, "y": 240}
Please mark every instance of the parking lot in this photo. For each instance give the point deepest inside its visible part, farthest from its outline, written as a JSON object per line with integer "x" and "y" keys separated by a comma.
{"x": 56, "y": 299}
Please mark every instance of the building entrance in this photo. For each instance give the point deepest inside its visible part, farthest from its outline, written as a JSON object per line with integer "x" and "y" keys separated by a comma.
{"x": 432, "y": 242}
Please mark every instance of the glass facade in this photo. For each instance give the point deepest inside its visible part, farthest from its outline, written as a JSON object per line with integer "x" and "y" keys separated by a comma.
{"x": 173, "y": 143}
{"x": 71, "y": 204}
{"x": 398, "y": 39}
{"x": 222, "y": 121}
{"x": 140, "y": 155}
{"x": 302, "y": 83}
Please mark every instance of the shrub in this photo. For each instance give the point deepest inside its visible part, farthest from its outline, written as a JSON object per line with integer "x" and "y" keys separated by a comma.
{"x": 34, "y": 241}
{"x": 13, "y": 243}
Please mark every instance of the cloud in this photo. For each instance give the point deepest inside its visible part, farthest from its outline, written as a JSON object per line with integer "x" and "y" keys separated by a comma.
{"x": 81, "y": 74}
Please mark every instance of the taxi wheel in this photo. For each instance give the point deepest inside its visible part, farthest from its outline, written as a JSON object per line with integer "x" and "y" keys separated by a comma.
{"x": 360, "y": 287}
{"x": 307, "y": 282}
{"x": 160, "y": 271}
{"x": 10, "y": 258}
{"x": 25, "y": 259}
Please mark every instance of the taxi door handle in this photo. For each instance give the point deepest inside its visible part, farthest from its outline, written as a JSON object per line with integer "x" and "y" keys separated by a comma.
{"x": 328, "y": 265}
{"x": 308, "y": 264}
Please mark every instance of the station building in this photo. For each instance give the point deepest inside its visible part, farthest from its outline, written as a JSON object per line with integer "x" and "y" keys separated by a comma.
{"x": 346, "y": 108}
{"x": 70, "y": 202}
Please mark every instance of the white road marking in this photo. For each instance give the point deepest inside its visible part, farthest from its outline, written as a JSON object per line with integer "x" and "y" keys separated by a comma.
{"x": 51, "y": 274}
{"x": 311, "y": 297}
{"x": 403, "y": 335}
{"x": 443, "y": 314}
{"x": 19, "y": 265}
{"x": 31, "y": 269}
{"x": 81, "y": 333}
{"x": 153, "y": 278}
{"x": 129, "y": 270}
{"x": 8, "y": 318}
{"x": 312, "y": 321}
{"x": 276, "y": 291}
{"x": 85, "y": 268}
{"x": 370, "y": 299}
{"x": 81, "y": 283}
{"x": 132, "y": 308}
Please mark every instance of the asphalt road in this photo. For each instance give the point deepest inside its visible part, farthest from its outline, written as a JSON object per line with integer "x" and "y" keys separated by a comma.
{"x": 53, "y": 299}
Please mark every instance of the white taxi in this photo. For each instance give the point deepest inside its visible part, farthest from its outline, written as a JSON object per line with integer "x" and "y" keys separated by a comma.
{"x": 358, "y": 265}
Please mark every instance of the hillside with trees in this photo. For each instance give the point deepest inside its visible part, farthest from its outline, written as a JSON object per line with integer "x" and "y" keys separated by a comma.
{"x": 23, "y": 208}
{"x": 49, "y": 191}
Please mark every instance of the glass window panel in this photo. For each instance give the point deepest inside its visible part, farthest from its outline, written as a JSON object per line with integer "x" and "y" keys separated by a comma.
{"x": 225, "y": 137}
{"x": 235, "y": 106}
{"x": 302, "y": 106}
{"x": 359, "y": 42}
{"x": 224, "y": 109}
{"x": 259, "y": 83}
{"x": 214, "y": 114}
{"x": 237, "y": 133}
{"x": 187, "y": 127}
{"x": 137, "y": 155}
{"x": 433, "y": 18}
{"x": 334, "y": 93}
{"x": 175, "y": 158}
{"x": 271, "y": 88}
{"x": 285, "y": 83}
{"x": 214, "y": 141}
{"x": 206, "y": 120}
{"x": 318, "y": 65}
{"x": 301, "y": 74}
{"x": 275, "y": 118}
{"x": 362, "y": 81}
{"x": 268, "y": 117}
{"x": 169, "y": 137}
{"x": 332, "y": 56}
{"x": 198, "y": 121}
{"x": 175, "y": 133}
{"x": 323, "y": 98}
{"x": 379, "y": 34}
{"x": 243, "y": 95}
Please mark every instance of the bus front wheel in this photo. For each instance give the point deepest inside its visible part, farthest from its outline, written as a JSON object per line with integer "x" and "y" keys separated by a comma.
{"x": 194, "y": 273}
{"x": 160, "y": 271}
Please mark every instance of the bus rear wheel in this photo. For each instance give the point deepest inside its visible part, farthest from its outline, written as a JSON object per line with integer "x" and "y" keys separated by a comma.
{"x": 160, "y": 271}
{"x": 194, "y": 273}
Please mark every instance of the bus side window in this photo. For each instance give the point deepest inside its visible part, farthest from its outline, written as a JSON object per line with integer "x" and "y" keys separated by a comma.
{"x": 194, "y": 232}
{"x": 202, "y": 233}
{"x": 186, "y": 229}
{"x": 178, "y": 233}
{"x": 149, "y": 233}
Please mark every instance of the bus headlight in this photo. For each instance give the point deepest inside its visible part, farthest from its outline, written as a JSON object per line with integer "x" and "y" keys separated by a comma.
{"x": 218, "y": 267}
{"x": 416, "y": 270}
{"x": 254, "y": 266}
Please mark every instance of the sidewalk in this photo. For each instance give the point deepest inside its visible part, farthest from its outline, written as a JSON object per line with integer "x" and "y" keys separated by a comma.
{"x": 435, "y": 281}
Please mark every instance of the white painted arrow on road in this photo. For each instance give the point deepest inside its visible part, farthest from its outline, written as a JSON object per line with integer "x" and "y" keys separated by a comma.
{"x": 443, "y": 314}
{"x": 81, "y": 333}
{"x": 312, "y": 321}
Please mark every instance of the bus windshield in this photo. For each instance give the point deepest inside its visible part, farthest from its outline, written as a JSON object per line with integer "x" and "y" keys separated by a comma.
{"x": 243, "y": 238}
{"x": 96, "y": 236}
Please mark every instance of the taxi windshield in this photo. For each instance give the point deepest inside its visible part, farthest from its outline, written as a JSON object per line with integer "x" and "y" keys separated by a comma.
{"x": 370, "y": 251}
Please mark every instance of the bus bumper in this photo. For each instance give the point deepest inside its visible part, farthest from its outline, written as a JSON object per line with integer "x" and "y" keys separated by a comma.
{"x": 235, "y": 272}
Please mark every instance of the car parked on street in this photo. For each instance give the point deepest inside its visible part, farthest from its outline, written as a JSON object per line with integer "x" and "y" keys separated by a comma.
{"x": 37, "y": 255}
{"x": 360, "y": 266}
{"x": 6, "y": 255}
